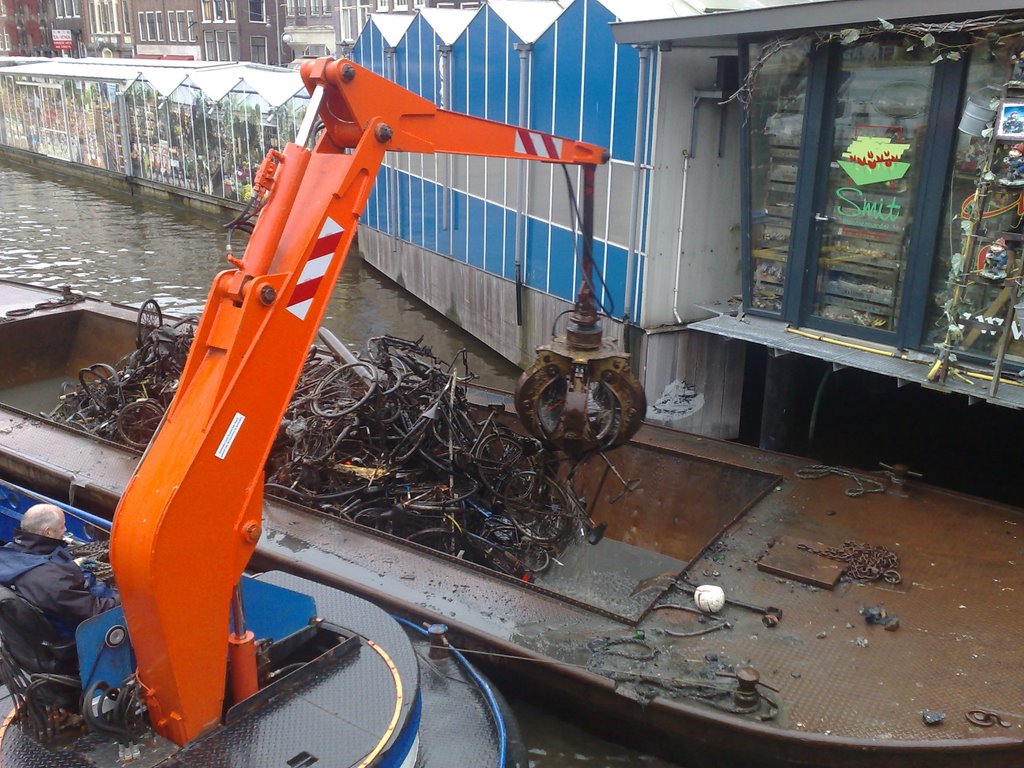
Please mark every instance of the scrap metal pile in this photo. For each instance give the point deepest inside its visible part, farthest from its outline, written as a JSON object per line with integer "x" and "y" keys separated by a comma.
{"x": 387, "y": 440}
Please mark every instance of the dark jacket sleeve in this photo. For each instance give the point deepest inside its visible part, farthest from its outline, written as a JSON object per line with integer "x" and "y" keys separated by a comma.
{"x": 60, "y": 590}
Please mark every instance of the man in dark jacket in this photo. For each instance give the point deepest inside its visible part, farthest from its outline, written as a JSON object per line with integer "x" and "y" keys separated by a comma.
{"x": 39, "y": 567}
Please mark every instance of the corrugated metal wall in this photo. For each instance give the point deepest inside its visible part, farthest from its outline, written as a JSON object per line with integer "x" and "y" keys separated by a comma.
{"x": 583, "y": 86}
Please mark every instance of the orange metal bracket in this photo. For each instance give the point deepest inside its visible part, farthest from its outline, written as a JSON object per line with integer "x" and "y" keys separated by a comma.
{"x": 190, "y": 518}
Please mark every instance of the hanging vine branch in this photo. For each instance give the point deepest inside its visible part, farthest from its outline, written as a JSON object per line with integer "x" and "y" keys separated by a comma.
{"x": 997, "y": 31}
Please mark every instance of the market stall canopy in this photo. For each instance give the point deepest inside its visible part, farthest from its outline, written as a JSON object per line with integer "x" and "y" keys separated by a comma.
{"x": 449, "y": 23}
{"x": 215, "y": 79}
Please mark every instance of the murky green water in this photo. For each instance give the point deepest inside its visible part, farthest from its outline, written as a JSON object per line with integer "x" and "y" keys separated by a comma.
{"x": 54, "y": 233}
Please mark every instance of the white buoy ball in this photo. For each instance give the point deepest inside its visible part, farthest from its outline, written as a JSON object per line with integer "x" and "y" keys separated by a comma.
{"x": 709, "y": 598}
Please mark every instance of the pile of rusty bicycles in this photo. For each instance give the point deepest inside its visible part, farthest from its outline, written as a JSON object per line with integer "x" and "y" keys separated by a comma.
{"x": 387, "y": 439}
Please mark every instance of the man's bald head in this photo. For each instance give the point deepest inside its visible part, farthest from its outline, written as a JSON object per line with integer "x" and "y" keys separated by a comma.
{"x": 44, "y": 520}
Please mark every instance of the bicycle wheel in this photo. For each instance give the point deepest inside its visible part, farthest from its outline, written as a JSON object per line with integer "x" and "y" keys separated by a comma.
{"x": 137, "y": 422}
{"x": 101, "y": 383}
{"x": 149, "y": 319}
{"x": 343, "y": 390}
{"x": 439, "y": 539}
{"x": 545, "y": 514}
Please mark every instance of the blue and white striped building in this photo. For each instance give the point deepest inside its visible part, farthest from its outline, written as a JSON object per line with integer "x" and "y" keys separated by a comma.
{"x": 476, "y": 237}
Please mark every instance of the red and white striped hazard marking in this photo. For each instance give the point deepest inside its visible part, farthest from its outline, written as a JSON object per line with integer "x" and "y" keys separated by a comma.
{"x": 538, "y": 144}
{"x": 315, "y": 269}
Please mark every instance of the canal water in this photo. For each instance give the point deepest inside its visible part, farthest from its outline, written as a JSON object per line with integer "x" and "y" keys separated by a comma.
{"x": 54, "y": 233}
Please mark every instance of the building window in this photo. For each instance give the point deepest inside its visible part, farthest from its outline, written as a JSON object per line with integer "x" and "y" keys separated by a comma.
{"x": 209, "y": 45}
{"x": 258, "y": 49}
{"x": 207, "y": 10}
{"x": 191, "y": 27}
{"x": 172, "y": 27}
{"x": 353, "y": 16}
{"x": 229, "y": 9}
{"x": 232, "y": 45}
{"x": 142, "y": 27}
{"x": 151, "y": 26}
{"x": 160, "y": 25}
{"x": 257, "y": 11}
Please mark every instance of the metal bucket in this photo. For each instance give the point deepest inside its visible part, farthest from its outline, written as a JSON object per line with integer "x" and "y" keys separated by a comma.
{"x": 977, "y": 116}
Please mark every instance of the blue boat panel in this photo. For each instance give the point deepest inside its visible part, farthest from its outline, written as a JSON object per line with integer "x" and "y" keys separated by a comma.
{"x": 100, "y": 660}
{"x": 536, "y": 266}
{"x": 563, "y": 263}
{"x": 475, "y": 228}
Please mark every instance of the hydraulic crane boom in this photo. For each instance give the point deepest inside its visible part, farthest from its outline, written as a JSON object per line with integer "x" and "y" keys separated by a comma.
{"x": 190, "y": 518}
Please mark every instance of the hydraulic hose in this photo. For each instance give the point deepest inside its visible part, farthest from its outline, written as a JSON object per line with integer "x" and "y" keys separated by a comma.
{"x": 499, "y": 721}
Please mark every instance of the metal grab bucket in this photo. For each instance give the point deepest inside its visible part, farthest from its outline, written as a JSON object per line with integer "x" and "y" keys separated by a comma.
{"x": 977, "y": 116}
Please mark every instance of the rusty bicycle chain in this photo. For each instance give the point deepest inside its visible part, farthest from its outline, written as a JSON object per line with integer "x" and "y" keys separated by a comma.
{"x": 864, "y": 562}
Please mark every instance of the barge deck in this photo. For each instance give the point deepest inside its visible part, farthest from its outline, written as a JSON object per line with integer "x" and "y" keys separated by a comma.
{"x": 921, "y": 672}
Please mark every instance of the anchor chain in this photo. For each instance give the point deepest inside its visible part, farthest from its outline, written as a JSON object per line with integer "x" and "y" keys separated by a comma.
{"x": 864, "y": 562}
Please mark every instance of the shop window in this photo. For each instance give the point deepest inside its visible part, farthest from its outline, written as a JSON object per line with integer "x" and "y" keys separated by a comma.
{"x": 971, "y": 303}
{"x": 878, "y": 133}
{"x": 776, "y": 128}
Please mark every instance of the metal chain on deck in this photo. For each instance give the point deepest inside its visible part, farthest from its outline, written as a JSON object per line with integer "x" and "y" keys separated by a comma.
{"x": 864, "y": 484}
{"x": 864, "y": 562}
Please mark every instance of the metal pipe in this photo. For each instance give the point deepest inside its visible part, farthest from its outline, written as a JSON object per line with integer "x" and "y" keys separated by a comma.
{"x": 446, "y": 103}
{"x": 126, "y": 144}
{"x": 679, "y": 242}
{"x": 525, "y": 54}
{"x": 634, "y": 201}
{"x": 389, "y": 72}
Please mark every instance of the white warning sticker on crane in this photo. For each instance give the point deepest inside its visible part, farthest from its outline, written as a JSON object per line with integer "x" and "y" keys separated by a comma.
{"x": 229, "y": 436}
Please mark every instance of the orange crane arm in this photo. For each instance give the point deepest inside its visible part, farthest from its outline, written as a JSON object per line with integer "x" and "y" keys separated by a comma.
{"x": 191, "y": 516}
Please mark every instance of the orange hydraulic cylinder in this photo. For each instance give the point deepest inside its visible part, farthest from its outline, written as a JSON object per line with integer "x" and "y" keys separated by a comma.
{"x": 242, "y": 665}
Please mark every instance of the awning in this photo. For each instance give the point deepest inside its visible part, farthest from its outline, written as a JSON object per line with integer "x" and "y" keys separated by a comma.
{"x": 726, "y": 29}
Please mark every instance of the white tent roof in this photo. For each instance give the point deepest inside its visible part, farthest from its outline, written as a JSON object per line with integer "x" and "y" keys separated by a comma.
{"x": 529, "y": 19}
{"x": 392, "y": 26}
{"x": 275, "y": 85}
{"x": 448, "y": 23}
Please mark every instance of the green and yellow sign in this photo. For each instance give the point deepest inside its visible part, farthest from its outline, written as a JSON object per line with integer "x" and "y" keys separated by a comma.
{"x": 874, "y": 159}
